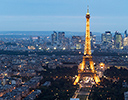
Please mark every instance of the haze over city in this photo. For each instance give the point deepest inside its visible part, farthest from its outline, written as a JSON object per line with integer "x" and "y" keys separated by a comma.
{"x": 63, "y": 15}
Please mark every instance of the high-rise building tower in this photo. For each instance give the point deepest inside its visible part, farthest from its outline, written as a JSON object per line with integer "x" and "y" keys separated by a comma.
{"x": 117, "y": 40}
{"x": 125, "y": 42}
{"x": 54, "y": 37}
{"x": 106, "y": 39}
{"x": 61, "y": 36}
{"x": 125, "y": 33}
{"x": 93, "y": 40}
{"x": 103, "y": 38}
{"x": 83, "y": 70}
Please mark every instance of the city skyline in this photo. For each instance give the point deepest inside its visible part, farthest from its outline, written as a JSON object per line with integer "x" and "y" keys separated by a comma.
{"x": 59, "y": 66}
{"x": 32, "y": 15}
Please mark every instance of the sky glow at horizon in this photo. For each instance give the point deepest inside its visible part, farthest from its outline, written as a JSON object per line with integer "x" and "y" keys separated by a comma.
{"x": 66, "y": 15}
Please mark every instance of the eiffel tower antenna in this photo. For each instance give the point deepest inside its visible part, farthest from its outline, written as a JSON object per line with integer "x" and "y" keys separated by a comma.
{"x": 88, "y": 9}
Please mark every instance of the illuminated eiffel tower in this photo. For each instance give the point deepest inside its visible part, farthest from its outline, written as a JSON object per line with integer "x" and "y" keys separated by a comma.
{"x": 82, "y": 69}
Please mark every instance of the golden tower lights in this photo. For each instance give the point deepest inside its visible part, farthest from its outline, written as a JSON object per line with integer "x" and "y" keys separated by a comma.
{"x": 87, "y": 55}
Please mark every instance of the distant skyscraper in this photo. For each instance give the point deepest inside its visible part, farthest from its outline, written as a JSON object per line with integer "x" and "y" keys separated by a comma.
{"x": 103, "y": 38}
{"x": 125, "y": 42}
{"x": 117, "y": 40}
{"x": 54, "y": 37}
{"x": 93, "y": 40}
{"x": 125, "y": 33}
{"x": 61, "y": 36}
{"x": 106, "y": 39}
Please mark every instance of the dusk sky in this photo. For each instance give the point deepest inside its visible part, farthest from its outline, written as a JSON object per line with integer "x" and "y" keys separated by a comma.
{"x": 63, "y": 15}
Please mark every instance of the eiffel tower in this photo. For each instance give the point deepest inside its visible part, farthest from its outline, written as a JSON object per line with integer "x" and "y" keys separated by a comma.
{"x": 82, "y": 68}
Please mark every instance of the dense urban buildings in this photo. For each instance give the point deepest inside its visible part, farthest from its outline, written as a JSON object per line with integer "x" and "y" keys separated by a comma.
{"x": 23, "y": 61}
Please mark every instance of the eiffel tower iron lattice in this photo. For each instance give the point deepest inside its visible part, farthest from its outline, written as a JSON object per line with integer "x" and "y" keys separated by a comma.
{"x": 87, "y": 56}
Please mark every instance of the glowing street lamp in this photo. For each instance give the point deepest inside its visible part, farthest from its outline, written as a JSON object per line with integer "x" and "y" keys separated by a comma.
{"x": 102, "y": 65}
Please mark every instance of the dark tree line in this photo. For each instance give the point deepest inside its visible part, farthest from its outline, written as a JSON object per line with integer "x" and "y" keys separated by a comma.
{"x": 109, "y": 89}
{"x": 61, "y": 87}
